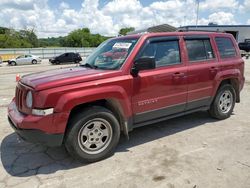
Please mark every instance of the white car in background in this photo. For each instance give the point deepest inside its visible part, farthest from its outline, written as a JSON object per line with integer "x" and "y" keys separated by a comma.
{"x": 25, "y": 59}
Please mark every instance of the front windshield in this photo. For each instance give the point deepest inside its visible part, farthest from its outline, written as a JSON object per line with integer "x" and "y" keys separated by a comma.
{"x": 111, "y": 54}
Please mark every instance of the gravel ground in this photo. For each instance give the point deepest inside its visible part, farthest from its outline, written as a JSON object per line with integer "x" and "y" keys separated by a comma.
{"x": 191, "y": 151}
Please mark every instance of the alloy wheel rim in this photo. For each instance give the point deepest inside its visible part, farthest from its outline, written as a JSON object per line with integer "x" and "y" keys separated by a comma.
{"x": 95, "y": 136}
{"x": 225, "y": 101}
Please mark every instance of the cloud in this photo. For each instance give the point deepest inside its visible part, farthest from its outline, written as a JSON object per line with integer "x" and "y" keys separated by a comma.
{"x": 245, "y": 7}
{"x": 64, "y": 5}
{"x": 219, "y": 18}
{"x": 109, "y": 18}
{"x": 219, "y": 4}
{"x": 222, "y": 18}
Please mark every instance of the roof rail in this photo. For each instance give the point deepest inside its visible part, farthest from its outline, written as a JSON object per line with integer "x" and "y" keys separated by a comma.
{"x": 199, "y": 30}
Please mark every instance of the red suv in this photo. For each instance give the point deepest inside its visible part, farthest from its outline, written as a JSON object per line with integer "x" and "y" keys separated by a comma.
{"x": 163, "y": 75}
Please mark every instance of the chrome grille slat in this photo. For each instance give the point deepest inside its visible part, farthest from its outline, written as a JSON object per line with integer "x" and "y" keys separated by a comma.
{"x": 21, "y": 92}
{"x": 19, "y": 98}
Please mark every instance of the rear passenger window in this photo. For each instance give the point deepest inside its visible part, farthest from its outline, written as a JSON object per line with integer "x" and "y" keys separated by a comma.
{"x": 164, "y": 52}
{"x": 225, "y": 46}
{"x": 199, "y": 49}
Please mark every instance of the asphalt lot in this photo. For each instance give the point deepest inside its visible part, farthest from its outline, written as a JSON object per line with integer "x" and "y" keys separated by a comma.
{"x": 191, "y": 151}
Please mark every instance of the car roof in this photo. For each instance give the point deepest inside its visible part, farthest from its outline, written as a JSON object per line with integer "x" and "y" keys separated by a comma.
{"x": 163, "y": 34}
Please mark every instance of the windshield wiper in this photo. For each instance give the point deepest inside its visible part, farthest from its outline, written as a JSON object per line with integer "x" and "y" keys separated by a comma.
{"x": 89, "y": 66}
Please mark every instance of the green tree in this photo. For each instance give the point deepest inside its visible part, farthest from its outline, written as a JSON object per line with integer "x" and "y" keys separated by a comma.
{"x": 82, "y": 38}
{"x": 29, "y": 36}
{"x": 9, "y": 38}
{"x": 124, "y": 31}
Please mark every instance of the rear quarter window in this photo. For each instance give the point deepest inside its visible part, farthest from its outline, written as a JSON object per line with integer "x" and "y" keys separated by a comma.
{"x": 226, "y": 47}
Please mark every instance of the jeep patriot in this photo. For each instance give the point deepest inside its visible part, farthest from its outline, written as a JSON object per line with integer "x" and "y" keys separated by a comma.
{"x": 157, "y": 76}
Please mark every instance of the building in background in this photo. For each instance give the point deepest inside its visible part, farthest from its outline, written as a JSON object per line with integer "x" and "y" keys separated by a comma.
{"x": 155, "y": 29}
{"x": 240, "y": 32}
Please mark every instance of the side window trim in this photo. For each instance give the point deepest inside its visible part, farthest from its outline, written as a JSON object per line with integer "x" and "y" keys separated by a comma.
{"x": 156, "y": 39}
{"x": 233, "y": 45}
{"x": 160, "y": 39}
{"x": 202, "y": 37}
{"x": 179, "y": 50}
{"x": 196, "y": 37}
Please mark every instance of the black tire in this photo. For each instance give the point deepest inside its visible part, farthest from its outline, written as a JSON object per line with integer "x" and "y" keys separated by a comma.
{"x": 81, "y": 124}
{"x": 57, "y": 62}
{"x": 13, "y": 63}
{"x": 222, "y": 110}
{"x": 77, "y": 61}
{"x": 34, "y": 61}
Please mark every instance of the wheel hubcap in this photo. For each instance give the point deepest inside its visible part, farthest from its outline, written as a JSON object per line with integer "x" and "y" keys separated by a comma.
{"x": 95, "y": 136}
{"x": 226, "y": 101}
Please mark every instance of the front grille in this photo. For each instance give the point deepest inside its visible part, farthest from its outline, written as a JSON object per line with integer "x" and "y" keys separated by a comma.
{"x": 19, "y": 98}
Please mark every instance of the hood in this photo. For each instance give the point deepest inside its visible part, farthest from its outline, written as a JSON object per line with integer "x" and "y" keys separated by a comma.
{"x": 64, "y": 76}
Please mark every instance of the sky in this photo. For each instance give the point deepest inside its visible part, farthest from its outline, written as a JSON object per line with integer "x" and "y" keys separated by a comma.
{"x": 52, "y": 18}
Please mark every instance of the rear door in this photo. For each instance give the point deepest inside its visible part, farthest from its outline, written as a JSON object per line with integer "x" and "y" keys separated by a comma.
{"x": 28, "y": 59}
{"x": 162, "y": 91}
{"x": 20, "y": 60}
{"x": 201, "y": 71}
{"x": 71, "y": 57}
{"x": 64, "y": 57}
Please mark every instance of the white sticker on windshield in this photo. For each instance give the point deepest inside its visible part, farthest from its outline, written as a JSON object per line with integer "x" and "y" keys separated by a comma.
{"x": 125, "y": 45}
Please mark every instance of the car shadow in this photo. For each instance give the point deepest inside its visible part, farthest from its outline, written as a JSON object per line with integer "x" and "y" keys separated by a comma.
{"x": 23, "y": 159}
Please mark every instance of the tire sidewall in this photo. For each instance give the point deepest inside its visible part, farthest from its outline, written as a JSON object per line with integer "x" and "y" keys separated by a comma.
{"x": 72, "y": 144}
{"x": 34, "y": 61}
{"x": 217, "y": 111}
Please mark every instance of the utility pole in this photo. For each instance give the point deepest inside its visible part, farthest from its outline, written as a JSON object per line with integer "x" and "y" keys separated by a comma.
{"x": 197, "y": 12}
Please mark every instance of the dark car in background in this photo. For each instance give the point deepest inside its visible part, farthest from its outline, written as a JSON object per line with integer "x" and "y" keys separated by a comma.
{"x": 66, "y": 58}
{"x": 245, "y": 45}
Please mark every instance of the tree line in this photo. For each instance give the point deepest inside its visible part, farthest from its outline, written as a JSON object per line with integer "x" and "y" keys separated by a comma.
{"x": 10, "y": 38}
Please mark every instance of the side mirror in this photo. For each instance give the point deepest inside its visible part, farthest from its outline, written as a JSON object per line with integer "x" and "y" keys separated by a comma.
{"x": 143, "y": 63}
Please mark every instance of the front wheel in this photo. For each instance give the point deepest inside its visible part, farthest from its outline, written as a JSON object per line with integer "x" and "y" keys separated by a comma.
{"x": 224, "y": 102}
{"x": 93, "y": 134}
{"x": 34, "y": 61}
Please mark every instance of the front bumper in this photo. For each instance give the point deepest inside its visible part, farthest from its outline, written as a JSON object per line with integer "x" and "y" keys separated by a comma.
{"x": 37, "y": 136}
{"x": 47, "y": 130}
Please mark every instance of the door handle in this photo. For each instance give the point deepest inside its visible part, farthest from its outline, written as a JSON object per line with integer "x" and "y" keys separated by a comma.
{"x": 178, "y": 75}
{"x": 213, "y": 69}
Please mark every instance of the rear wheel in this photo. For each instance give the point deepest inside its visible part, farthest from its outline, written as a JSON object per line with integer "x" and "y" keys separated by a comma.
{"x": 34, "y": 61}
{"x": 13, "y": 63}
{"x": 93, "y": 134}
{"x": 224, "y": 102}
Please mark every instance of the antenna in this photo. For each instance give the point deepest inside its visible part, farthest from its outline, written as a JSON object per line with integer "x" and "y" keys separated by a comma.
{"x": 197, "y": 12}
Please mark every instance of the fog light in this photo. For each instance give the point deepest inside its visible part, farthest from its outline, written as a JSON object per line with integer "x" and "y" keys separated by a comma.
{"x": 40, "y": 112}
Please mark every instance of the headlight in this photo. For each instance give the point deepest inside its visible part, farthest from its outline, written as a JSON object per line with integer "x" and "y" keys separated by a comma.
{"x": 29, "y": 99}
{"x": 40, "y": 112}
